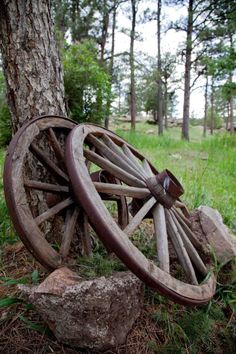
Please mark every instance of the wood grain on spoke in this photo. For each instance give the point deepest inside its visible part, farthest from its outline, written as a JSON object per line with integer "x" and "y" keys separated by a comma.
{"x": 121, "y": 153}
{"x": 53, "y": 211}
{"x": 161, "y": 237}
{"x": 137, "y": 219}
{"x": 84, "y": 234}
{"x": 45, "y": 160}
{"x": 133, "y": 160}
{"x": 70, "y": 225}
{"x": 42, "y": 186}
{"x": 56, "y": 148}
{"x": 188, "y": 231}
{"x": 180, "y": 249}
{"x": 112, "y": 156}
{"x": 193, "y": 254}
{"x": 113, "y": 169}
{"x": 118, "y": 189}
{"x": 147, "y": 168}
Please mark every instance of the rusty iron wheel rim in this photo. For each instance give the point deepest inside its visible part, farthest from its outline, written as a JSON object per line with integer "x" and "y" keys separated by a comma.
{"x": 27, "y": 225}
{"x": 86, "y": 193}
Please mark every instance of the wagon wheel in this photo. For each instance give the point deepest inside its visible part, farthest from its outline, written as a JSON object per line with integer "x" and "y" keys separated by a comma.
{"x": 38, "y": 194}
{"x": 141, "y": 184}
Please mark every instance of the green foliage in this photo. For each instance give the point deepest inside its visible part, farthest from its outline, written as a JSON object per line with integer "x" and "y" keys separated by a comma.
{"x": 87, "y": 84}
{"x": 5, "y": 117}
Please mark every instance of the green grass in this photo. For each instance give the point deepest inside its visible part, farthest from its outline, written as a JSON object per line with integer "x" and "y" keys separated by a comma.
{"x": 205, "y": 167}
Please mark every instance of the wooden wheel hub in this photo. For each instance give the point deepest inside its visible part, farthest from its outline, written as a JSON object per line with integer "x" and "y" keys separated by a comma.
{"x": 165, "y": 188}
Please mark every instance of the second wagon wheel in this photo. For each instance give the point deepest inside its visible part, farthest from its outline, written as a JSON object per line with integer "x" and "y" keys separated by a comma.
{"x": 39, "y": 197}
{"x": 150, "y": 195}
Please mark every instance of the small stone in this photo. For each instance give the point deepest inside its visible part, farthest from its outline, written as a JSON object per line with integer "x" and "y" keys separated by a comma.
{"x": 217, "y": 233}
{"x": 92, "y": 314}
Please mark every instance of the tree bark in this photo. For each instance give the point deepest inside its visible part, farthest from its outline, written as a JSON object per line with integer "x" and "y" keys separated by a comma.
{"x": 111, "y": 65}
{"x": 132, "y": 68}
{"x": 205, "y": 108}
{"x": 30, "y": 60}
{"x": 159, "y": 92}
{"x": 212, "y": 107}
{"x": 166, "y": 103}
{"x": 187, "y": 73}
{"x": 231, "y": 105}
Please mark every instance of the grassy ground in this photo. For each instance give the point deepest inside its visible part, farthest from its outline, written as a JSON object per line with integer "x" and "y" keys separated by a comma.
{"x": 207, "y": 170}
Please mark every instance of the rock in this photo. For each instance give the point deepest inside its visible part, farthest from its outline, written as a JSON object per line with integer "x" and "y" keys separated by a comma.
{"x": 217, "y": 233}
{"x": 150, "y": 131}
{"x": 91, "y": 314}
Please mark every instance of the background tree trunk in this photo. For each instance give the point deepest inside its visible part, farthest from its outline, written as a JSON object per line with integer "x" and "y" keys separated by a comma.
{"x": 206, "y": 107}
{"x": 132, "y": 69}
{"x": 30, "y": 60}
{"x": 159, "y": 92}
{"x": 185, "y": 127}
{"x": 111, "y": 65}
{"x": 212, "y": 107}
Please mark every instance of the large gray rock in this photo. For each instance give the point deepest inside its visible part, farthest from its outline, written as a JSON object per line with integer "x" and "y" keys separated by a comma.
{"x": 217, "y": 233}
{"x": 93, "y": 314}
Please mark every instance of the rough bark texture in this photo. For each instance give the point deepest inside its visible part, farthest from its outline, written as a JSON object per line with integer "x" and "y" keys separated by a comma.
{"x": 187, "y": 73}
{"x": 132, "y": 69}
{"x": 94, "y": 314}
{"x": 30, "y": 60}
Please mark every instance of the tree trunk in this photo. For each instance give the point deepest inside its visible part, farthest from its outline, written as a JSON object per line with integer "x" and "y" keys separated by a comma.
{"x": 132, "y": 69}
{"x": 227, "y": 115}
{"x": 205, "y": 108}
{"x": 231, "y": 105}
{"x": 212, "y": 107}
{"x": 30, "y": 60}
{"x": 159, "y": 98}
{"x": 111, "y": 65}
{"x": 166, "y": 104}
{"x": 187, "y": 73}
{"x": 105, "y": 24}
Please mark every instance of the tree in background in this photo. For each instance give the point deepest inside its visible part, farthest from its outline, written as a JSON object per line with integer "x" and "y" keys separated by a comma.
{"x": 134, "y": 10}
{"x": 159, "y": 71}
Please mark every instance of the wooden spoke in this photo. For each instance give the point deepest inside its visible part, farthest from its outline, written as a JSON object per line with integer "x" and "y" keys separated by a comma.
{"x": 183, "y": 208}
{"x": 194, "y": 256}
{"x": 123, "y": 214}
{"x": 70, "y": 225}
{"x": 84, "y": 234}
{"x": 87, "y": 162}
{"x": 112, "y": 156}
{"x": 121, "y": 153}
{"x": 56, "y": 148}
{"x": 187, "y": 231}
{"x": 113, "y": 169}
{"x": 45, "y": 160}
{"x": 180, "y": 249}
{"x": 133, "y": 160}
{"x": 53, "y": 211}
{"x": 161, "y": 237}
{"x": 181, "y": 216}
{"x": 46, "y": 186}
{"x": 137, "y": 219}
{"x": 147, "y": 168}
{"x": 118, "y": 189}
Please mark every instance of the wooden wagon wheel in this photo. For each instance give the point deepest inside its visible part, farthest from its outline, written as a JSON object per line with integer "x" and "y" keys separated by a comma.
{"x": 140, "y": 181}
{"x": 39, "y": 196}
